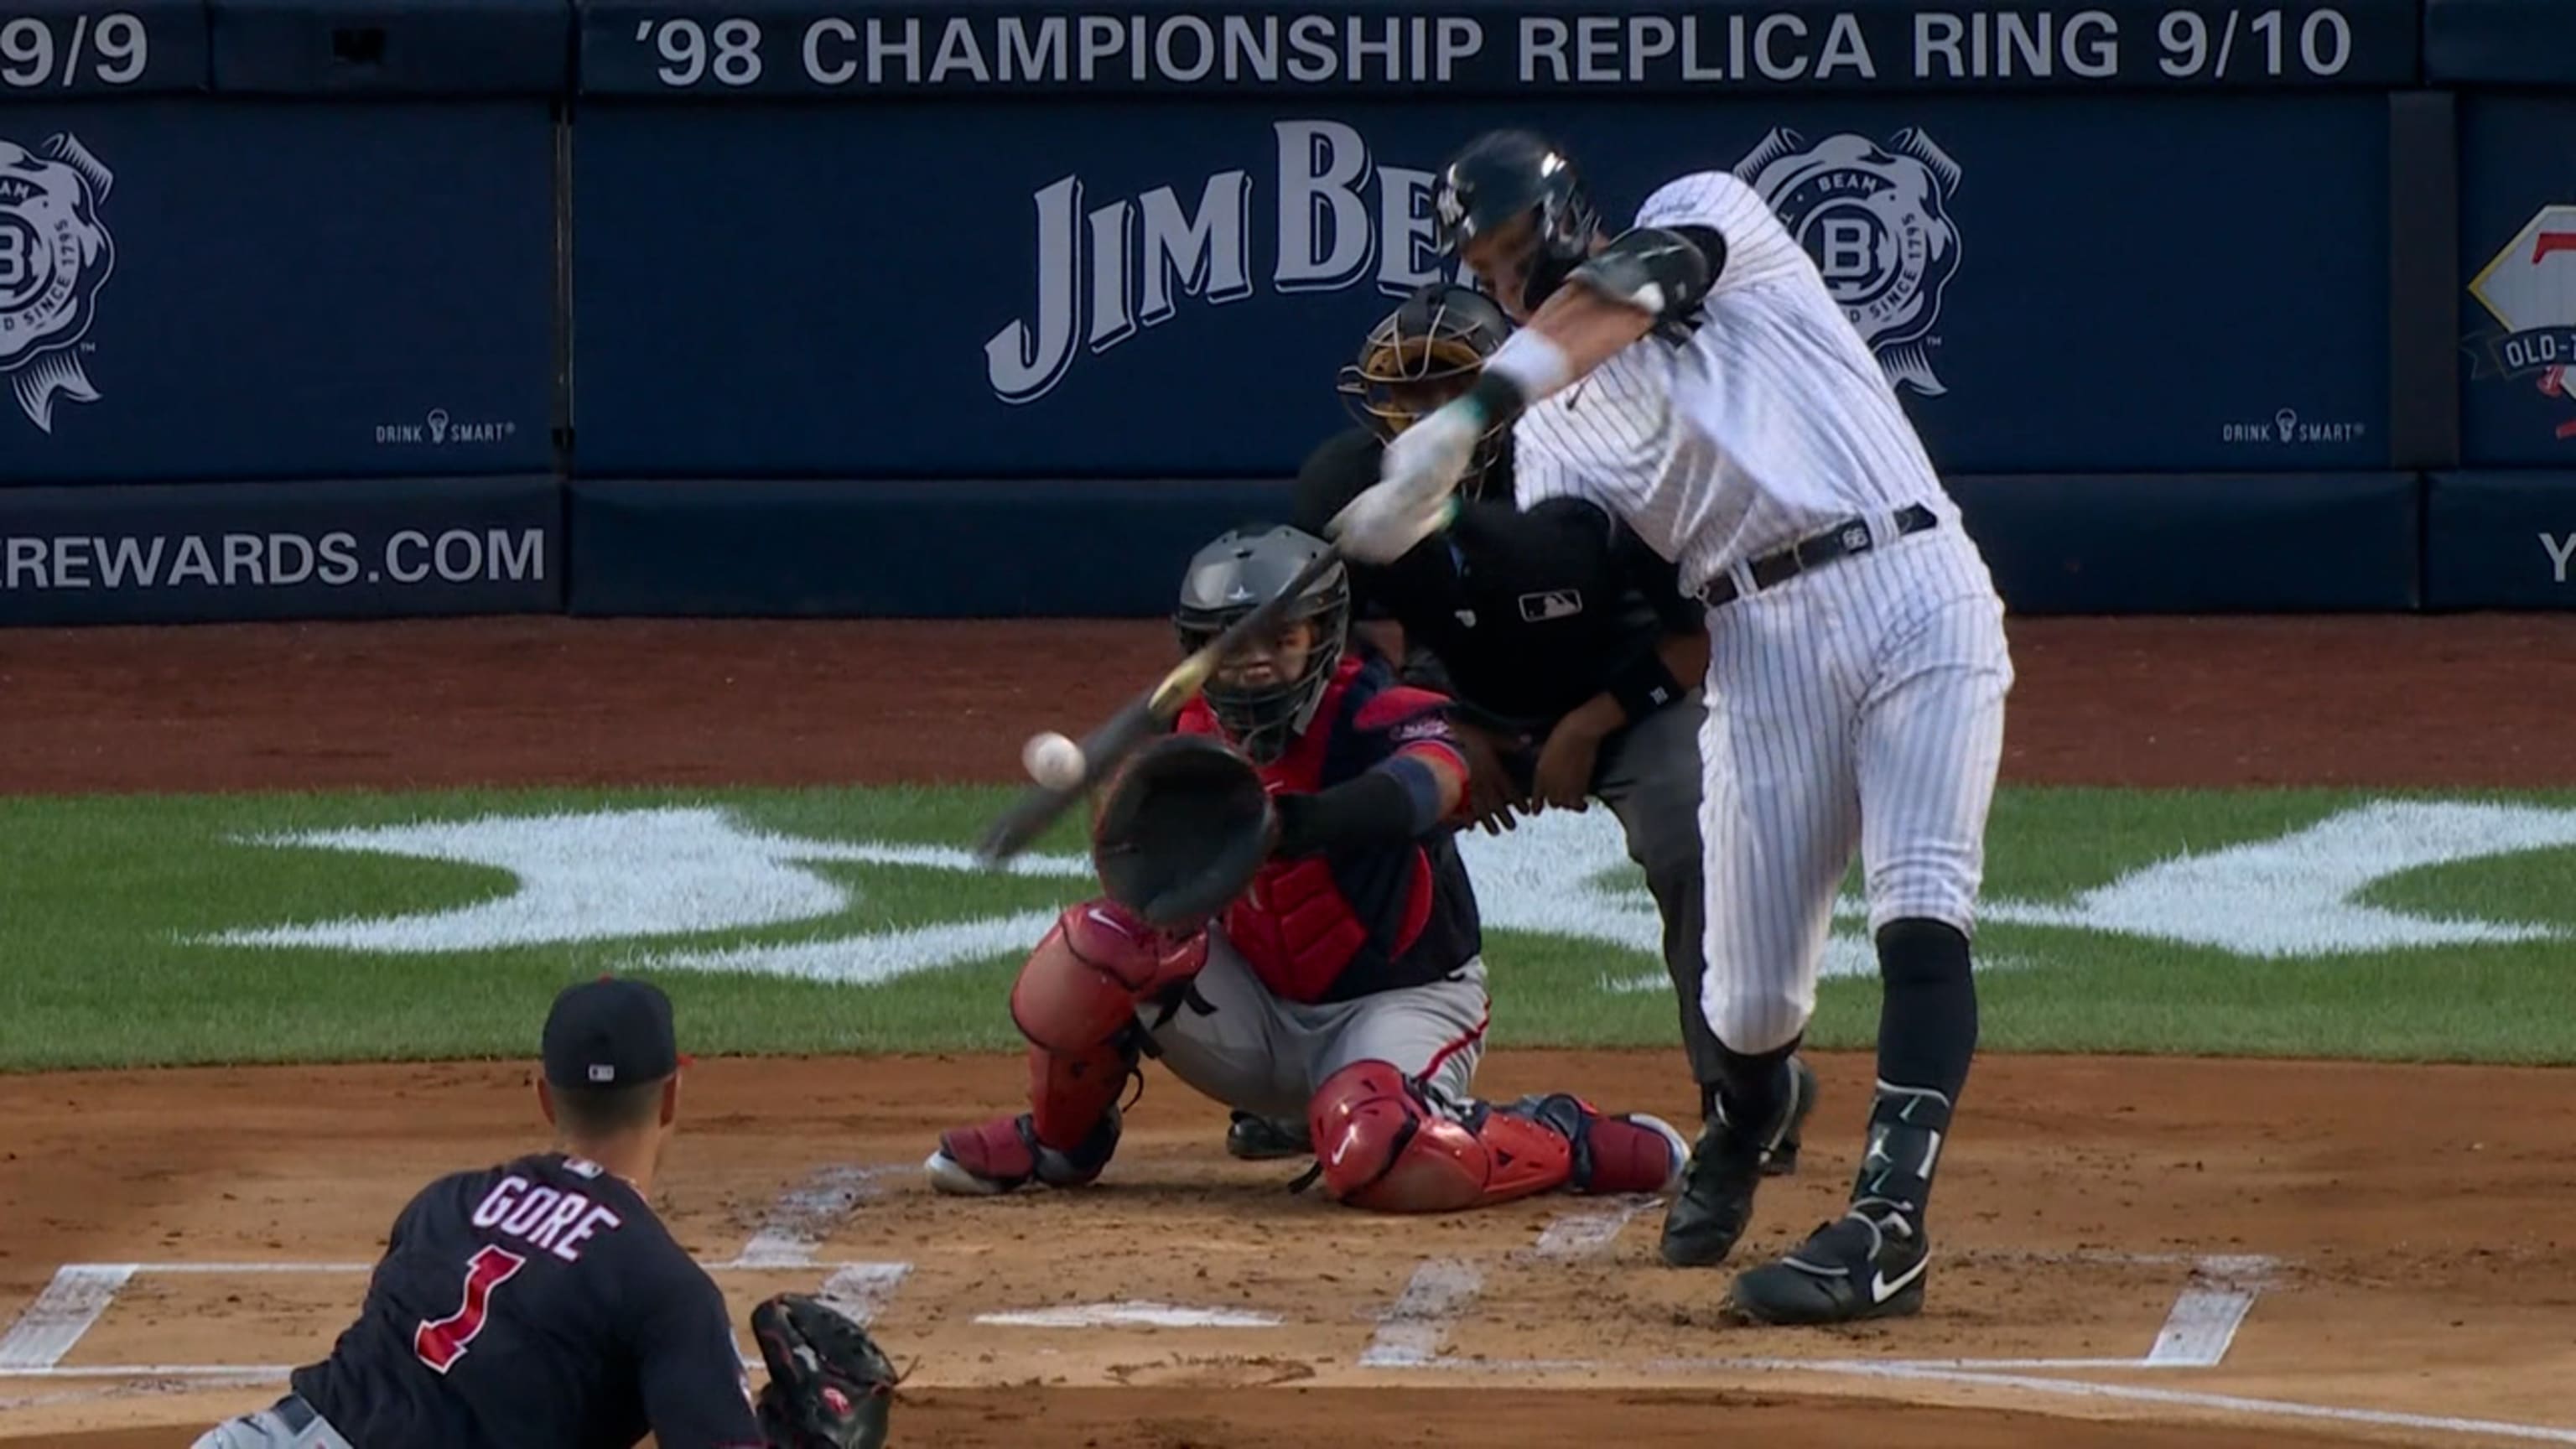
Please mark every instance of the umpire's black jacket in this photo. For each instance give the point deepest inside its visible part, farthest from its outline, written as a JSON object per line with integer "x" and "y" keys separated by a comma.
{"x": 1525, "y": 615}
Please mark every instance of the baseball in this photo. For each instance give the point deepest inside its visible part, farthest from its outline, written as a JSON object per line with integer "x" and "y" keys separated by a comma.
{"x": 1053, "y": 761}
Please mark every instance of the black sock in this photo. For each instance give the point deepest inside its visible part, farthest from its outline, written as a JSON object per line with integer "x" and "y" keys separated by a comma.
{"x": 1751, "y": 1094}
{"x": 1927, "y": 1034}
{"x": 1927, "y": 1020}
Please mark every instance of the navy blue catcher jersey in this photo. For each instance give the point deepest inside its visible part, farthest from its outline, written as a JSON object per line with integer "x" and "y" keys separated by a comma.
{"x": 1356, "y": 921}
{"x": 536, "y": 1303}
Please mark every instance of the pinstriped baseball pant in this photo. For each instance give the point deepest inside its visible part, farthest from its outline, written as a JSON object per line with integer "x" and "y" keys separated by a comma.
{"x": 1857, "y": 706}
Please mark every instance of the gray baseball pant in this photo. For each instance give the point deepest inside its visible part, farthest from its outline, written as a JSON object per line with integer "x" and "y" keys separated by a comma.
{"x": 1649, "y": 776}
{"x": 290, "y": 1423}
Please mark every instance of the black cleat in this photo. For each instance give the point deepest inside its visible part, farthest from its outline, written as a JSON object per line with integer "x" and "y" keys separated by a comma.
{"x": 1716, "y": 1201}
{"x": 1863, "y": 1266}
{"x": 1259, "y": 1139}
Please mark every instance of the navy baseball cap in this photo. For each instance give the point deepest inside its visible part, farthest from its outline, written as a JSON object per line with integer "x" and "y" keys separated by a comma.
{"x": 612, "y": 1032}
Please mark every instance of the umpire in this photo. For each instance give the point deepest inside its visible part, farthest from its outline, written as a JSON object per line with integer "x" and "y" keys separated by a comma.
{"x": 1562, "y": 636}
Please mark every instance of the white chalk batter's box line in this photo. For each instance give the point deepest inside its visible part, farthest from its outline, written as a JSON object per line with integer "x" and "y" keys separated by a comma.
{"x": 2196, "y": 1334}
{"x": 81, "y": 1293}
{"x": 1410, "y": 1335}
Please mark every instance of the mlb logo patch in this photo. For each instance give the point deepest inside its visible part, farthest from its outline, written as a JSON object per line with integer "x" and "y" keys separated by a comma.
{"x": 602, "y": 1072}
{"x": 1552, "y": 604}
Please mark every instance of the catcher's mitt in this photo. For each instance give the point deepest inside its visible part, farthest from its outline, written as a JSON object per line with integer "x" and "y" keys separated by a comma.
{"x": 830, "y": 1386}
{"x": 1184, "y": 827}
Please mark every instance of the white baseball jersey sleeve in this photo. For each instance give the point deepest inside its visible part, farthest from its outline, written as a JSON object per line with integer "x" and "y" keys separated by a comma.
{"x": 1769, "y": 421}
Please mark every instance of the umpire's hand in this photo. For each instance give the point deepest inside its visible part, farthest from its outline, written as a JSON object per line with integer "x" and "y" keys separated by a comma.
{"x": 1493, "y": 791}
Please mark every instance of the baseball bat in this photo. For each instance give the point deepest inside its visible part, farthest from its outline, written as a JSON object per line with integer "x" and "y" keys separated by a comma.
{"x": 1140, "y": 719}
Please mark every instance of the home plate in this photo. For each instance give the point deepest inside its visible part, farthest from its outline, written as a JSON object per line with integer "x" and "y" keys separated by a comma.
{"x": 1143, "y": 1315}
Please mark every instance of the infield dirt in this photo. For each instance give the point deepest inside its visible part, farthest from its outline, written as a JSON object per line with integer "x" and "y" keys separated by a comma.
{"x": 2396, "y": 1229}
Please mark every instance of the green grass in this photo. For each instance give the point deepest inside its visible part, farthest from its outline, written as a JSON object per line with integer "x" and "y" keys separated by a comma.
{"x": 104, "y": 904}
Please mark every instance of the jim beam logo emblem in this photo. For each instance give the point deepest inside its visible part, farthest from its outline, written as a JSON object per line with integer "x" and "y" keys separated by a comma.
{"x": 1327, "y": 215}
{"x": 55, "y": 254}
{"x": 2530, "y": 288}
{"x": 1874, "y": 218}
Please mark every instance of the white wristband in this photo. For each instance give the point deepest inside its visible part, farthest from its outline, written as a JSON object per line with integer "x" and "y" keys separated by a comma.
{"x": 1533, "y": 363}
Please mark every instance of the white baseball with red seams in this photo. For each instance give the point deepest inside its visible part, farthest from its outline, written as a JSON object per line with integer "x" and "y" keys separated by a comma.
{"x": 1857, "y": 705}
{"x": 1053, "y": 760}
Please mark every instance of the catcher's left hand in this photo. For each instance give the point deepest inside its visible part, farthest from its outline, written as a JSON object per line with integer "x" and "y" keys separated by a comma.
{"x": 1184, "y": 828}
{"x": 830, "y": 1386}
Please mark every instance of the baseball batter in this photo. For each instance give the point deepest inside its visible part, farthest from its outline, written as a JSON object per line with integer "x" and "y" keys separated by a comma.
{"x": 1693, "y": 375}
{"x": 1344, "y": 988}
{"x": 1568, "y": 645}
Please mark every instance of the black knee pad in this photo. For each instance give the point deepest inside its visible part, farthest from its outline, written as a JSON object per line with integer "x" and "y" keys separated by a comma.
{"x": 1918, "y": 951}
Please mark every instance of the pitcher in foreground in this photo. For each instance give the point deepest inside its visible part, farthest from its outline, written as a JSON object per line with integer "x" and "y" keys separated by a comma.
{"x": 541, "y": 1301}
{"x": 1342, "y": 986}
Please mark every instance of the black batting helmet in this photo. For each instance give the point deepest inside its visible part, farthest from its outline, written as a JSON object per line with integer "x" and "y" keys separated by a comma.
{"x": 1421, "y": 355}
{"x": 1239, "y": 571}
{"x": 1504, "y": 176}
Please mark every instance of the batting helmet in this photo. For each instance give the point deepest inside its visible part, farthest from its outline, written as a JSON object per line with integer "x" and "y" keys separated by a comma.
{"x": 1232, "y": 576}
{"x": 1502, "y": 179}
{"x": 1421, "y": 355}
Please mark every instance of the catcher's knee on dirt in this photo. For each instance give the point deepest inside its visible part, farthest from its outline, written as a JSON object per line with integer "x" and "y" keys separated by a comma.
{"x": 1076, "y": 1002}
{"x": 1381, "y": 1145}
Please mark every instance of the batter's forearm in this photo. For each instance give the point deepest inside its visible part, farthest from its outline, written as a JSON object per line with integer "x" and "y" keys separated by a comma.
{"x": 1576, "y": 331}
{"x": 1589, "y": 327}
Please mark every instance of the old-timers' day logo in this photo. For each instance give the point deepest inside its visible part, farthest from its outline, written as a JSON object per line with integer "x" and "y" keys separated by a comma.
{"x": 2530, "y": 288}
{"x": 1873, "y": 218}
{"x": 54, "y": 255}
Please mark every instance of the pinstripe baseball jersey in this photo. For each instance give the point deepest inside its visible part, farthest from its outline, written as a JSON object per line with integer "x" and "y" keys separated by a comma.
{"x": 1760, "y": 420}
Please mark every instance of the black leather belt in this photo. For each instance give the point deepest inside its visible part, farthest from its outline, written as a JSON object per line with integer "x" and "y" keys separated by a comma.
{"x": 1844, "y": 539}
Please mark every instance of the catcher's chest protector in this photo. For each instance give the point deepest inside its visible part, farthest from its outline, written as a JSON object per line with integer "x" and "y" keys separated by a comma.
{"x": 1293, "y": 926}
{"x": 1295, "y": 929}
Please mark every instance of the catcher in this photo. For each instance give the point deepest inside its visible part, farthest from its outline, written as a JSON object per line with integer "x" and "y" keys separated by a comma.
{"x": 1287, "y": 925}
{"x": 543, "y": 1302}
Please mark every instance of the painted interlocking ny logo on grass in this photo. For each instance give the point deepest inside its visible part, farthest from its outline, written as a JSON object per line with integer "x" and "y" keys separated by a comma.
{"x": 666, "y": 874}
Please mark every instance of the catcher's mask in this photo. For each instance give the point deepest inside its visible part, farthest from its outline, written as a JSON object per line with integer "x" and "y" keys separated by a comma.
{"x": 1521, "y": 197}
{"x": 1241, "y": 570}
{"x": 1185, "y": 826}
{"x": 1421, "y": 355}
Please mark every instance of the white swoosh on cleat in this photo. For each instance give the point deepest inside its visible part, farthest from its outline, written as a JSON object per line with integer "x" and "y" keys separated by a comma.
{"x": 1880, "y": 1290}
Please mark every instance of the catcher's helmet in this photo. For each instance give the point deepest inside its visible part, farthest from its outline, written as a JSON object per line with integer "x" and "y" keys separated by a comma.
{"x": 1237, "y": 573}
{"x": 1504, "y": 176}
{"x": 1421, "y": 355}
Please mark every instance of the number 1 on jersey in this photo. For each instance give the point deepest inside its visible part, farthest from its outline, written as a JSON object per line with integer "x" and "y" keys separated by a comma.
{"x": 440, "y": 1342}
